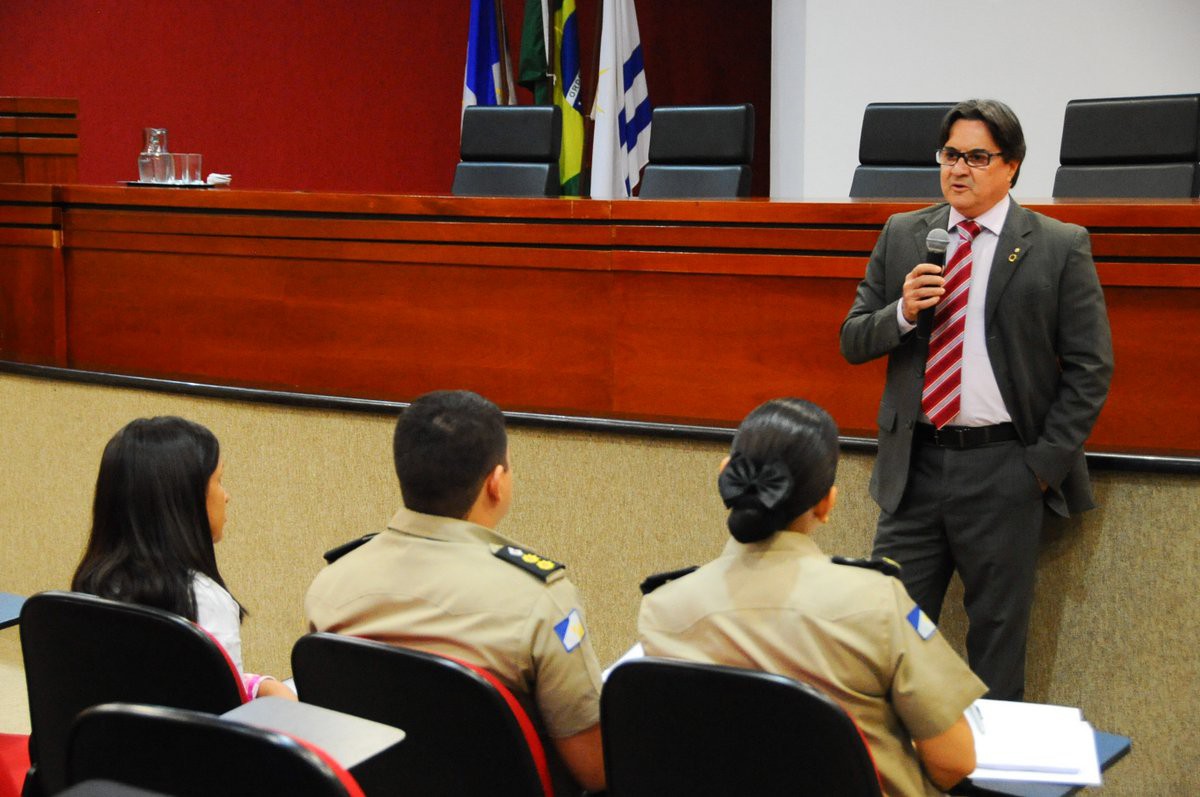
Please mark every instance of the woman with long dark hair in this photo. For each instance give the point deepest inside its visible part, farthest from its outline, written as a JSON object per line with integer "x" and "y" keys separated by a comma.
{"x": 159, "y": 508}
{"x": 772, "y": 601}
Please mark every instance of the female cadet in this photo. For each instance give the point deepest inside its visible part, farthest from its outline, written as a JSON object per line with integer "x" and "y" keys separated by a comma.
{"x": 773, "y": 602}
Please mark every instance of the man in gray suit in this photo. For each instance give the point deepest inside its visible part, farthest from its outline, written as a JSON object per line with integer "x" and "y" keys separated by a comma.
{"x": 989, "y": 399}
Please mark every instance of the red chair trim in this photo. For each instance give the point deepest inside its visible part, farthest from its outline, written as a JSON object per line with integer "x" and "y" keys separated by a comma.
{"x": 867, "y": 747}
{"x": 347, "y": 780}
{"x": 14, "y": 763}
{"x": 237, "y": 674}
{"x": 532, "y": 740}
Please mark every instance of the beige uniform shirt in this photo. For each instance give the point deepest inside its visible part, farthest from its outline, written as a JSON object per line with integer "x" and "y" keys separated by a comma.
{"x": 434, "y": 584}
{"x": 780, "y": 605}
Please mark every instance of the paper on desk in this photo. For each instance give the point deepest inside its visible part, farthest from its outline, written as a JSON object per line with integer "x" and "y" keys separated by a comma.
{"x": 1033, "y": 742}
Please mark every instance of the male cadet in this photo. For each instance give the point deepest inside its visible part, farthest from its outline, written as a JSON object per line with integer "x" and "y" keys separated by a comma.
{"x": 985, "y": 410}
{"x": 442, "y": 580}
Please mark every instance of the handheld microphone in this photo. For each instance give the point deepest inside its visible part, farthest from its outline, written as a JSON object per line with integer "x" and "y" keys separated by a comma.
{"x": 936, "y": 244}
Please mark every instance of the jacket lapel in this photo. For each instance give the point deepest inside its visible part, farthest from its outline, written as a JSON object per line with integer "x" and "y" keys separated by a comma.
{"x": 938, "y": 218}
{"x": 1011, "y": 250}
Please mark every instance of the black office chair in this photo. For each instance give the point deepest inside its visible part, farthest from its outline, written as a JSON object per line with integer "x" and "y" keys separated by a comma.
{"x": 80, "y": 651}
{"x": 1130, "y": 147}
{"x": 681, "y": 728}
{"x": 896, "y": 151}
{"x": 465, "y": 733}
{"x": 509, "y": 150}
{"x": 191, "y": 754}
{"x": 699, "y": 152}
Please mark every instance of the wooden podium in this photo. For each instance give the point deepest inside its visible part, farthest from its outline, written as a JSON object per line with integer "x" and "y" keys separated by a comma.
{"x": 39, "y": 140}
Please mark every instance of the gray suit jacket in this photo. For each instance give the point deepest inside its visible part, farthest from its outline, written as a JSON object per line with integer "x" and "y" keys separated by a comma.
{"x": 1047, "y": 338}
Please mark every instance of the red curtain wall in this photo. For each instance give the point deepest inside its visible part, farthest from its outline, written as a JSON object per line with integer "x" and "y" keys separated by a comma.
{"x": 357, "y": 95}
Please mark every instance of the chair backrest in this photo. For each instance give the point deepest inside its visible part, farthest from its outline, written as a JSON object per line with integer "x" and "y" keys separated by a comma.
{"x": 80, "y": 651}
{"x": 465, "y": 734}
{"x": 896, "y": 151}
{"x": 1130, "y": 147}
{"x": 699, "y": 152}
{"x": 675, "y": 727}
{"x": 509, "y": 150}
{"x": 191, "y": 754}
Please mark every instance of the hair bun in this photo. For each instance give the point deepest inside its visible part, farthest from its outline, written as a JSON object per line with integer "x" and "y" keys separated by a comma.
{"x": 768, "y": 483}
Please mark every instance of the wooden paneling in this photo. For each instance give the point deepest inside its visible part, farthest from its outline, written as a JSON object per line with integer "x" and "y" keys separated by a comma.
{"x": 676, "y": 311}
{"x": 39, "y": 140}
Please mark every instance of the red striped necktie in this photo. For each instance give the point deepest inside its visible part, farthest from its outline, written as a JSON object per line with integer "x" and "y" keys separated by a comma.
{"x": 943, "y": 367}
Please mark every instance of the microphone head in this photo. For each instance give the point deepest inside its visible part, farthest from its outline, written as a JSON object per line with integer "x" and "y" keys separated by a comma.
{"x": 937, "y": 241}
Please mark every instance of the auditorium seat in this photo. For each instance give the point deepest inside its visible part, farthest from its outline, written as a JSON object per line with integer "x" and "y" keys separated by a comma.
{"x": 509, "y": 150}
{"x": 896, "y": 151}
{"x": 1131, "y": 147}
{"x": 465, "y": 733}
{"x": 192, "y": 754}
{"x": 679, "y": 727}
{"x": 699, "y": 152}
{"x": 80, "y": 650}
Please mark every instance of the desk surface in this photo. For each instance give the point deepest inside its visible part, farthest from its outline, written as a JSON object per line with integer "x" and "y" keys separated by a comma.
{"x": 1110, "y": 748}
{"x": 10, "y": 609}
{"x": 349, "y": 740}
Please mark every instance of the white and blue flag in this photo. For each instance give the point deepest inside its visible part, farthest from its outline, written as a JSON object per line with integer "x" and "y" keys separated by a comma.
{"x": 489, "y": 79}
{"x": 621, "y": 139}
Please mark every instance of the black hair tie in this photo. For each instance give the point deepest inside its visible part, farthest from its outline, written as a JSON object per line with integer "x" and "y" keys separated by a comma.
{"x": 771, "y": 483}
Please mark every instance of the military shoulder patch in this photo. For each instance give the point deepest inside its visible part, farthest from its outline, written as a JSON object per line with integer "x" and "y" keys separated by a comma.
{"x": 883, "y": 565}
{"x": 921, "y": 623}
{"x": 570, "y": 630}
{"x": 528, "y": 561}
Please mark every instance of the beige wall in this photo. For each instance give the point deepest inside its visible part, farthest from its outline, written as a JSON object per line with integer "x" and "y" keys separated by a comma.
{"x": 1114, "y": 624}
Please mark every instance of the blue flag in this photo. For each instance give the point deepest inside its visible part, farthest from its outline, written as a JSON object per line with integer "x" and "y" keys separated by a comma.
{"x": 488, "y": 79}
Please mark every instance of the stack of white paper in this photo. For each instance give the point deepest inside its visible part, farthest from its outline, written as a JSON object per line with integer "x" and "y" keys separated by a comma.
{"x": 1033, "y": 742}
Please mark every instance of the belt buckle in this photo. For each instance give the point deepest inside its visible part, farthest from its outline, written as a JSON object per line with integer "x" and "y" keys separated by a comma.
{"x": 950, "y": 437}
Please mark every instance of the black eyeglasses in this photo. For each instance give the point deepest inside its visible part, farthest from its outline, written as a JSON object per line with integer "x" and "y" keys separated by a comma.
{"x": 976, "y": 158}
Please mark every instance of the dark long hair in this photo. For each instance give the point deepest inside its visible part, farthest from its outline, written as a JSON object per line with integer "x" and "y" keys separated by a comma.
{"x": 150, "y": 530}
{"x": 782, "y": 463}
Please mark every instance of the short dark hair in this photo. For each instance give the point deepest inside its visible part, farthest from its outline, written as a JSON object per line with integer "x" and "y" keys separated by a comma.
{"x": 150, "y": 531}
{"x": 800, "y": 436}
{"x": 446, "y": 444}
{"x": 1001, "y": 122}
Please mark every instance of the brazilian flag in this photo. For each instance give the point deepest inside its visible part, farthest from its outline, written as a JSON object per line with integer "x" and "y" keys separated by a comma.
{"x": 549, "y": 67}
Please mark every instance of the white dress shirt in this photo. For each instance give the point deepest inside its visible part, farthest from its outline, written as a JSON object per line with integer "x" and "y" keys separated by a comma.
{"x": 980, "y": 403}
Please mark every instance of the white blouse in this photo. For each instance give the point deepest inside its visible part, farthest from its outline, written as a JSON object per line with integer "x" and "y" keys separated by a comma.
{"x": 218, "y": 614}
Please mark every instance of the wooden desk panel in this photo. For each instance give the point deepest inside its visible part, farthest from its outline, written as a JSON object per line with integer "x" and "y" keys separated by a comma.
{"x": 673, "y": 311}
{"x": 39, "y": 140}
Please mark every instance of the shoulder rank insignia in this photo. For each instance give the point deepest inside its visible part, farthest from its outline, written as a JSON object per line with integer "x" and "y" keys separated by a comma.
{"x": 655, "y": 581}
{"x": 528, "y": 561}
{"x": 883, "y": 564}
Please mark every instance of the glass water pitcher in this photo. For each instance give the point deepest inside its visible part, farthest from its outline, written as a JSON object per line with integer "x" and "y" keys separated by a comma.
{"x": 154, "y": 164}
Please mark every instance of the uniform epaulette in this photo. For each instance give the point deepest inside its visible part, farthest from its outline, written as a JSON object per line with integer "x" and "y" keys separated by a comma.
{"x": 655, "y": 581}
{"x": 883, "y": 564}
{"x": 528, "y": 561}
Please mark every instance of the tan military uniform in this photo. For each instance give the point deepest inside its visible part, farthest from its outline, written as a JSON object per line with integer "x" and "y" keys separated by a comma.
{"x": 437, "y": 584}
{"x": 780, "y": 605}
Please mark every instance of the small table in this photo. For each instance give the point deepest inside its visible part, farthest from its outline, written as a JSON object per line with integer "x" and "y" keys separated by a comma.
{"x": 10, "y": 609}
{"x": 1110, "y": 748}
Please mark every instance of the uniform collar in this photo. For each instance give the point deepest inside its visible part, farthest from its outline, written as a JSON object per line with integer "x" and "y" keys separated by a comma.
{"x": 443, "y": 529}
{"x": 779, "y": 542}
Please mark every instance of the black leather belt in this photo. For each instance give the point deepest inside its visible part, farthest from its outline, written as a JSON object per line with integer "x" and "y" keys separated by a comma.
{"x": 964, "y": 436}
